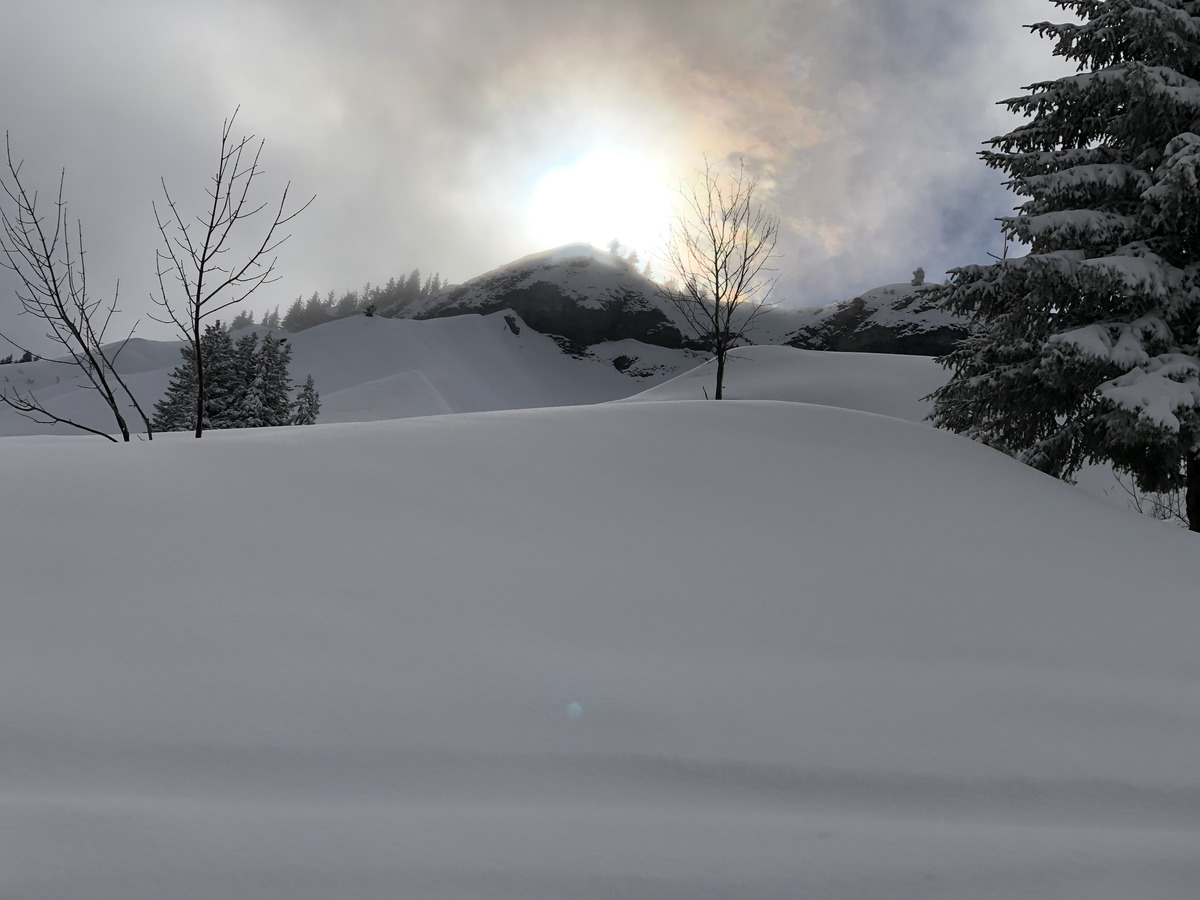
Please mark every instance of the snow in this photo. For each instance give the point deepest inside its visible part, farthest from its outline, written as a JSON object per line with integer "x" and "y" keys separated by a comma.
{"x": 784, "y": 646}
{"x": 1113, "y": 176}
{"x": 1165, "y": 384}
{"x": 376, "y": 368}
{"x": 905, "y": 307}
{"x": 1126, "y": 350}
{"x": 1087, "y": 223}
{"x": 589, "y": 276}
{"x": 870, "y": 382}
{"x": 1147, "y": 275}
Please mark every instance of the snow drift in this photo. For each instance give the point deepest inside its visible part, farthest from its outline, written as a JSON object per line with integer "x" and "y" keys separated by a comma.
{"x": 675, "y": 650}
{"x": 376, "y": 368}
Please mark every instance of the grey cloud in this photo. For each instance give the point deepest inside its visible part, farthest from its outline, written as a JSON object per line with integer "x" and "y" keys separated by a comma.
{"x": 423, "y": 126}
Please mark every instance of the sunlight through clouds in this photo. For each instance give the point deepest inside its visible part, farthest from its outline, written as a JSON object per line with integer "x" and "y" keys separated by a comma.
{"x": 607, "y": 194}
{"x": 456, "y": 135}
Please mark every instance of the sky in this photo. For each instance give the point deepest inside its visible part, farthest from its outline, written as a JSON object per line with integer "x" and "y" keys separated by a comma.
{"x": 455, "y": 136}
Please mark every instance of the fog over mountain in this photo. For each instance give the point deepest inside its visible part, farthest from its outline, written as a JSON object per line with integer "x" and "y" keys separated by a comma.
{"x": 426, "y": 128}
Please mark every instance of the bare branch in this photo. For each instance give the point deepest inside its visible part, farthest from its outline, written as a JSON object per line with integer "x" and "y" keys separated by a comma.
{"x": 30, "y": 408}
{"x": 721, "y": 246}
{"x": 52, "y": 287}
{"x": 194, "y": 281}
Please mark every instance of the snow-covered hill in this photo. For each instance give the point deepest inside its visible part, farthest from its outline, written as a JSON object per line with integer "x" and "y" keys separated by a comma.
{"x": 584, "y": 295}
{"x": 870, "y": 382}
{"x": 587, "y": 296}
{"x": 895, "y": 318}
{"x": 378, "y": 368}
{"x": 656, "y": 649}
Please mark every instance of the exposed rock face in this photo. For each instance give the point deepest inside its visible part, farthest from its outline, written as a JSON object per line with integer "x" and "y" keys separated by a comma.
{"x": 896, "y": 318}
{"x": 584, "y": 295}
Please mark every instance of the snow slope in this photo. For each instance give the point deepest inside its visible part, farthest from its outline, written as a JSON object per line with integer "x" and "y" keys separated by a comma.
{"x": 674, "y": 650}
{"x": 377, "y": 368}
{"x": 870, "y": 382}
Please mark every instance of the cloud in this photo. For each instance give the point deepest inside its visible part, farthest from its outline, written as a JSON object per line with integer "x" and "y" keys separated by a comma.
{"x": 424, "y": 127}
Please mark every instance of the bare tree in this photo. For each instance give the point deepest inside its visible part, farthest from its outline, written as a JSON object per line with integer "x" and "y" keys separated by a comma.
{"x": 721, "y": 246}
{"x": 52, "y": 287}
{"x": 194, "y": 262}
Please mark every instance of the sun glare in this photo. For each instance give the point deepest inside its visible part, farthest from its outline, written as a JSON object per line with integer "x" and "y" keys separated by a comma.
{"x": 606, "y": 194}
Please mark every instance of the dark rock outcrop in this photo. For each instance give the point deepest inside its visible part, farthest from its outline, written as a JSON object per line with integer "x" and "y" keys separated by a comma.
{"x": 581, "y": 294}
{"x": 897, "y": 318}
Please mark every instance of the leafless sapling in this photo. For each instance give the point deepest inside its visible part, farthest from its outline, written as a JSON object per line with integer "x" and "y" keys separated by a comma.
{"x": 204, "y": 264}
{"x": 51, "y": 286}
{"x": 720, "y": 249}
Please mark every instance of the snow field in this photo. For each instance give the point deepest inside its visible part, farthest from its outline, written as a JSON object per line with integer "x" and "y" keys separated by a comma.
{"x": 814, "y": 652}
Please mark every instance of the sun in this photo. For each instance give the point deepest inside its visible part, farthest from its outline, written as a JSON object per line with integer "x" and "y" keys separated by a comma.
{"x": 607, "y": 194}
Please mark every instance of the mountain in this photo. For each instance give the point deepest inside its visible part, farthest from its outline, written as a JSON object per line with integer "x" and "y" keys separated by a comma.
{"x": 896, "y": 318}
{"x": 586, "y": 296}
{"x": 583, "y": 295}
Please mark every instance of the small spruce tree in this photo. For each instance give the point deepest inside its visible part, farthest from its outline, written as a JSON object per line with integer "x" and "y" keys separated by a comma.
{"x": 307, "y": 405}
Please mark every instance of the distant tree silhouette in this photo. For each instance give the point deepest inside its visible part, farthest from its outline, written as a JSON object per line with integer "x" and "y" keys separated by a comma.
{"x": 721, "y": 246}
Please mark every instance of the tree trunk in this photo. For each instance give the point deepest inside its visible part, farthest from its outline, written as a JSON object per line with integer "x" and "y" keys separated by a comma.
{"x": 1193, "y": 491}
{"x": 199, "y": 391}
{"x": 720, "y": 374}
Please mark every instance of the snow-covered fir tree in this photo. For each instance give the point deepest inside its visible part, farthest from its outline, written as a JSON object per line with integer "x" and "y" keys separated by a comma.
{"x": 274, "y": 360}
{"x": 307, "y": 405}
{"x": 1086, "y": 348}
{"x": 249, "y": 385}
{"x": 176, "y": 411}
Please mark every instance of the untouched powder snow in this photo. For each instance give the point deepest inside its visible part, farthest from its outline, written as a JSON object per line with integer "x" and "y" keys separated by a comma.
{"x": 672, "y": 650}
{"x": 373, "y": 368}
{"x": 870, "y": 382}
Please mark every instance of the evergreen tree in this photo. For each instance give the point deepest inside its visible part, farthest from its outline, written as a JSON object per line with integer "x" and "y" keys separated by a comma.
{"x": 307, "y": 405}
{"x": 314, "y": 311}
{"x": 410, "y": 292}
{"x": 347, "y": 305}
{"x": 275, "y": 357}
{"x": 249, "y": 385}
{"x": 242, "y": 375}
{"x": 1086, "y": 349}
{"x": 243, "y": 319}
{"x": 176, "y": 411}
{"x": 221, "y": 395}
{"x": 294, "y": 317}
{"x": 252, "y": 412}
